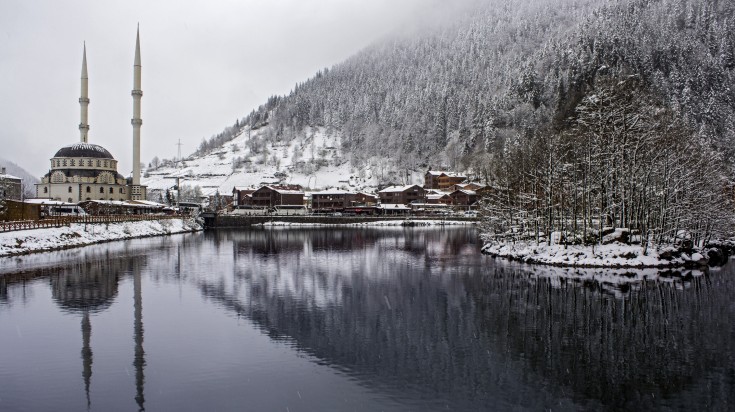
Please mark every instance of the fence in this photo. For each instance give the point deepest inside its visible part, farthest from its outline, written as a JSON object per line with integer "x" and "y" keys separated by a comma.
{"x": 68, "y": 220}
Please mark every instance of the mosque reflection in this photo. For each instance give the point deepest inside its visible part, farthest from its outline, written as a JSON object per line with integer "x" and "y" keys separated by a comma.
{"x": 87, "y": 287}
{"x": 405, "y": 309}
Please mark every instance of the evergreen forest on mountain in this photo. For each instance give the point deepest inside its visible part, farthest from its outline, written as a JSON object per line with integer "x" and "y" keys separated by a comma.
{"x": 581, "y": 114}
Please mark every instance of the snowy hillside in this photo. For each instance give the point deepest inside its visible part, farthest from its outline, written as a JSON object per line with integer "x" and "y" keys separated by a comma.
{"x": 313, "y": 159}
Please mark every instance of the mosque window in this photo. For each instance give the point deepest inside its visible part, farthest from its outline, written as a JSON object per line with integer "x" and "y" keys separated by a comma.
{"x": 89, "y": 190}
{"x": 69, "y": 200}
{"x": 72, "y": 162}
{"x": 98, "y": 163}
{"x": 70, "y": 189}
{"x": 64, "y": 162}
{"x": 112, "y": 190}
{"x": 102, "y": 190}
{"x": 89, "y": 162}
{"x": 45, "y": 190}
{"x": 122, "y": 190}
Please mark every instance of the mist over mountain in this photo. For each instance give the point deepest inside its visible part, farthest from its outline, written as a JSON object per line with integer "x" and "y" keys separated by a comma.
{"x": 458, "y": 93}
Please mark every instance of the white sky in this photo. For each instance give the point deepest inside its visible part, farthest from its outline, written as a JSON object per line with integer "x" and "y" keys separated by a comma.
{"x": 205, "y": 64}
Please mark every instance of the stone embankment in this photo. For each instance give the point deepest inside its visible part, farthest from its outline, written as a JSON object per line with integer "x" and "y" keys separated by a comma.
{"x": 235, "y": 221}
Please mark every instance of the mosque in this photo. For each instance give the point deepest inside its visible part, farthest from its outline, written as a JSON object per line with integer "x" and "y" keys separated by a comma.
{"x": 85, "y": 171}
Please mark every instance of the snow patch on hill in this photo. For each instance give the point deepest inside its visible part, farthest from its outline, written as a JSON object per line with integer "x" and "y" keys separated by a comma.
{"x": 313, "y": 159}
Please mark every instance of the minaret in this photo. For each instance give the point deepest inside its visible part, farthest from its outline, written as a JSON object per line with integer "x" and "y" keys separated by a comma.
{"x": 84, "y": 99}
{"x": 137, "y": 192}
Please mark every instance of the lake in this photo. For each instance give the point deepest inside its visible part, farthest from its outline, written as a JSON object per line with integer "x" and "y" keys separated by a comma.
{"x": 354, "y": 319}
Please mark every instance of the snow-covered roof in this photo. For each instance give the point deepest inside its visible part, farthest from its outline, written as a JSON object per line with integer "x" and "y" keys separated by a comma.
{"x": 397, "y": 189}
{"x": 333, "y": 191}
{"x": 285, "y": 191}
{"x": 442, "y": 172}
{"x": 48, "y": 202}
{"x": 396, "y": 206}
{"x": 436, "y": 195}
{"x": 11, "y": 177}
{"x": 465, "y": 191}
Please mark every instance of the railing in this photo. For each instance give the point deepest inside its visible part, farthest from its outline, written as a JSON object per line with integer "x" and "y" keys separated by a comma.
{"x": 68, "y": 220}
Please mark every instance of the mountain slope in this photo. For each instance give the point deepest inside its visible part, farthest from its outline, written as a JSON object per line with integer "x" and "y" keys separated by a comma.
{"x": 456, "y": 95}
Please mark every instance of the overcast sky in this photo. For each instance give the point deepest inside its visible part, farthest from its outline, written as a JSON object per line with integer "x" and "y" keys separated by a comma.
{"x": 205, "y": 64}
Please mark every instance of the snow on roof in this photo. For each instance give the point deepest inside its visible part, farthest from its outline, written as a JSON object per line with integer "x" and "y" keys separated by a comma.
{"x": 393, "y": 206}
{"x": 7, "y": 176}
{"x": 397, "y": 189}
{"x": 285, "y": 191}
{"x": 442, "y": 172}
{"x": 465, "y": 191}
{"x": 436, "y": 195}
{"x": 333, "y": 191}
{"x": 48, "y": 202}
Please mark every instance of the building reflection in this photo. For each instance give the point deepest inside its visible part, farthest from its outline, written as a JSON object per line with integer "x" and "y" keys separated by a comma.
{"x": 87, "y": 287}
{"x": 419, "y": 309}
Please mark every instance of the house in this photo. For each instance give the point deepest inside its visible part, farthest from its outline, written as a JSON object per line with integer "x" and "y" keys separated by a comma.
{"x": 437, "y": 197}
{"x": 402, "y": 194}
{"x": 332, "y": 200}
{"x": 11, "y": 187}
{"x": 463, "y": 197}
{"x": 437, "y": 179}
{"x": 467, "y": 186}
{"x": 365, "y": 199}
{"x": 242, "y": 196}
{"x": 278, "y": 195}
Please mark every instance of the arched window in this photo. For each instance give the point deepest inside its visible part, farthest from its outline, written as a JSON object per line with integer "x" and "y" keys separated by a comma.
{"x": 72, "y": 162}
{"x": 69, "y": 200}
{"x": 64, "y": 162}
{"x": 107, "y": 164}
{"x": 112, "y": 191}
{"x": 102, "y": 190}
{"x": 89, "y": 162}
{"x": 45, "y": 190}
{"x": 122, "y": 190}
{"x": 69, "y": 189}
{"x": 89, "y": 190}
{"x": 98, "y": 163}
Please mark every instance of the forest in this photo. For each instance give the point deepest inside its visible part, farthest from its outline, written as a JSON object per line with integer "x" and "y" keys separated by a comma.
{"x": 582, "y": 114}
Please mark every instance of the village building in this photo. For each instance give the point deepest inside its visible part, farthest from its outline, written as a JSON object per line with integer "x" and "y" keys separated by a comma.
{"x": 402, "y": 194}
{"x": 464, "y": 197}
{"x": 278, "y": 195}
{"x": 242, "y": 196}
{"x": 435, "y": 198}
{"x": 85, "y": 171}
{"x": 437, "y": 179}
{"x": 332, "y": 200}
{"x": 11, "y": 187}
{"x": 365, "y": 199}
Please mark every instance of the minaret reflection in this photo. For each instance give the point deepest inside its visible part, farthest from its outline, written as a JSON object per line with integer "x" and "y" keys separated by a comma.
{"x": 139, "y": 361}
{"x": 85, "y": 288}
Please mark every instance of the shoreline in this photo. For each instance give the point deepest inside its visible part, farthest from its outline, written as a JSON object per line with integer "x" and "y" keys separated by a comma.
{"x": 25, "y": 242}
{"x": 612, "y": 256}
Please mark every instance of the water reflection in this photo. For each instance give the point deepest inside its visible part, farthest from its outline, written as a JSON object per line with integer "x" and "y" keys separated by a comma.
{"x": 419, "y": 317}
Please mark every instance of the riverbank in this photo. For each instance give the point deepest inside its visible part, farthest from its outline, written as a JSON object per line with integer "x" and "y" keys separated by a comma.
{"x": 613, "y": 255}
{"x": 79, "y": 234}
{"x": 402, "y": 222}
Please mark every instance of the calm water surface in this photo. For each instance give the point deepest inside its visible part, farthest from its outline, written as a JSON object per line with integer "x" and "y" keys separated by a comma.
{"x": 354, "y": 320}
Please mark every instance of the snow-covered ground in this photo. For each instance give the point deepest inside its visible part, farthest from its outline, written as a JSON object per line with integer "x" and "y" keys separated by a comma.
{"x": 313, "y": 160}
{"x": 77, "y": 234}
{"x": 611, "y": 255}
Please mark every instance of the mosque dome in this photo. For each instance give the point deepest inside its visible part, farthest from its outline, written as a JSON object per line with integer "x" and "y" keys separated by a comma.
{"x": 84, "y": 150}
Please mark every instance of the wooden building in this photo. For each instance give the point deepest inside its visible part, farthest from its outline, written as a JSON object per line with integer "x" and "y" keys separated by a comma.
{"x": 277, "y": 195}
{"x": 332, "y": 200}
{"x": 402, "y": 194}
{"x": 463, "y": 197}
{"x": 436, "y": 179}
{"x": 242, "y": 196}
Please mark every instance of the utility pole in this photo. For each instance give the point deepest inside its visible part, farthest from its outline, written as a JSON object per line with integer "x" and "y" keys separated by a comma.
{"x": 179, "y": 153}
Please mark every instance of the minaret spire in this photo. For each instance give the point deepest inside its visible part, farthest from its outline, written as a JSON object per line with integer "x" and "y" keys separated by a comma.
{"x": 137, "y": 93}
{"x": 84, "y": 99}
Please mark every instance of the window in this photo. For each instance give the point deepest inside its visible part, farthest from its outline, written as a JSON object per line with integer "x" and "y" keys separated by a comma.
{"x": 98, "y": 163}
{"x": 72, "y": 162}
{"x": 122, "y": 190}
{"x": 69, "y": 189}
{"x": 89, "y": 162}
{"x": 64, "y": 162}
{"x": 102, "y": 190}
{"x": 89, "y": 190}
{"x": 112, "y": 191}
{"x": 69, "y": 200}
{"x": 107, "y": 164}
{"x": 45, "y": 190}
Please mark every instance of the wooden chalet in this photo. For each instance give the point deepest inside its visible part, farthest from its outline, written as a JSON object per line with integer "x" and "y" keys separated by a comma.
{"x": 464, "y": 197}
{"x": 437, "y": 179}
{"x": 278, "y": 195}
{"x": 402, "y": 194}
{"x": 242, "y": 196}
{"x": 332, "y": 200}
